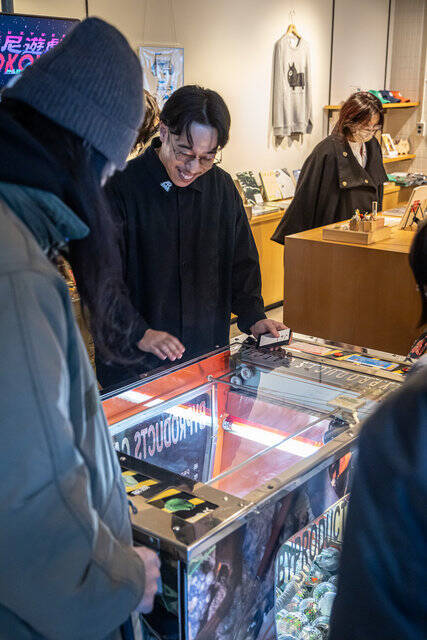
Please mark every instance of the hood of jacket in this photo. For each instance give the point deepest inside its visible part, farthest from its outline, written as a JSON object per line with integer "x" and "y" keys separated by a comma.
{"x": 52, "y": 223}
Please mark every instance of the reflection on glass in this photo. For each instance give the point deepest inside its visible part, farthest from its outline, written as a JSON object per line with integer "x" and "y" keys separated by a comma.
{"x": 252, "y": 423}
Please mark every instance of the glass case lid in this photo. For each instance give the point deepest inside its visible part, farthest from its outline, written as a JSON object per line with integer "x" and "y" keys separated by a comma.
{"x": 245, "y": 420}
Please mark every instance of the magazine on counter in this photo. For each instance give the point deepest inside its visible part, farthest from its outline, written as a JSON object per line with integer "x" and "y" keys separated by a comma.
{"x": 271, "y": 185}
{"x": 260, "y": 209}
{"x": 250, "y": 188}
{"x": 286, "y": 184}
{"x": 278, "y": 184}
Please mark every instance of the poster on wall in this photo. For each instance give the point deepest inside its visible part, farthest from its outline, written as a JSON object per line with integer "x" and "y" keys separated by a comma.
{"x": 24, "y": 38}
{"x": 163, "y": 70}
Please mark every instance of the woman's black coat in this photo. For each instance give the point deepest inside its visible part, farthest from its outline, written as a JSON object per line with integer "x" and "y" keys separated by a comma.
{"x": 332, "y": 184}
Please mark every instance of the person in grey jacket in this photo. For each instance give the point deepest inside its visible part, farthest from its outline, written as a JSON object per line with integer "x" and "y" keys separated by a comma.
{"x": 68, "y": 569}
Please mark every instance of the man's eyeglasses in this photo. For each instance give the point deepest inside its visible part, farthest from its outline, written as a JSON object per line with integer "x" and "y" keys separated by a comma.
{"x": 188, "y": 158}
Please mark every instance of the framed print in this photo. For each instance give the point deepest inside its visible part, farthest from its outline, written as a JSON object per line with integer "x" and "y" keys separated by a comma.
{"x": 163, "y": 70}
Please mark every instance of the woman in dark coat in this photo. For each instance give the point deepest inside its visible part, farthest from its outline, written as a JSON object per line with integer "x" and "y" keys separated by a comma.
{"x": 344, "y": 172}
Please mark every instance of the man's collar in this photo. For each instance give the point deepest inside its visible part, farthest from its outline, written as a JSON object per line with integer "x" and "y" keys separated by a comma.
{"x": 159, "y": 173}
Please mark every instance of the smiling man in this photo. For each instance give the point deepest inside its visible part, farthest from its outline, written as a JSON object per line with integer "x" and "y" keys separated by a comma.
{"x": 188, "y": 252}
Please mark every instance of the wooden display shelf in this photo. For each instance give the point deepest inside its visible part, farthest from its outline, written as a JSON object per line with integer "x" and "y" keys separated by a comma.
{"x": 391, "y": 187}
{"x": 392, "y": 105}
{"x": 266, "y": 217}
{"x": 406, "y": 156}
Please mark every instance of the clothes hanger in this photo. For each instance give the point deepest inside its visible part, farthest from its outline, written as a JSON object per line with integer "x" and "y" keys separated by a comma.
{"x": 292, "y": 30}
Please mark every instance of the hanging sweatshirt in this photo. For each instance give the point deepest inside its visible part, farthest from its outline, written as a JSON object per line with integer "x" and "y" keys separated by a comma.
{"x": 292, "y": 111}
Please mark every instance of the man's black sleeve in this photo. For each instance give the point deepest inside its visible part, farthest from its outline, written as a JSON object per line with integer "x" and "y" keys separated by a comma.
{"x": 247, "y": 303}
{"x": 127, "y": 316}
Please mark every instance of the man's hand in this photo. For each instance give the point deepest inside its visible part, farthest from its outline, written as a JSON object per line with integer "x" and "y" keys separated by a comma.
{"x": 162, "y": 344}
{"x": 267, "y": 326}
{"x": 152, "y": 574}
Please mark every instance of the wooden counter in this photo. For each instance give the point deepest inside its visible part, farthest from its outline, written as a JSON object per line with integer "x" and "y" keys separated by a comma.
{"x": 271, "y": 253}
{"x": 360, "y": 295}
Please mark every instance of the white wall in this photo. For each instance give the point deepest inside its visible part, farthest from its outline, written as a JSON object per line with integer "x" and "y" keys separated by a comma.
{"x": 229, "y": 45}
{"x": 57, "y": 8}
{"x": 233, "y": 53}
{"x": 360, "y": 42}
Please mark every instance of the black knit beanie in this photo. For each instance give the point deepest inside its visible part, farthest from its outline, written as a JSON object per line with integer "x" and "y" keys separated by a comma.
{"x": 91, "y": 84}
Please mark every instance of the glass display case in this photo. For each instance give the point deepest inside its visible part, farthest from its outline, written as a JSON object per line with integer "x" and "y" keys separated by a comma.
{"x": 236, "y": 466}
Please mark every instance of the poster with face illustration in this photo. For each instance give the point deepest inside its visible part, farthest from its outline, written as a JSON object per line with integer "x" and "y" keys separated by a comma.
{"x": 163, "y": 70}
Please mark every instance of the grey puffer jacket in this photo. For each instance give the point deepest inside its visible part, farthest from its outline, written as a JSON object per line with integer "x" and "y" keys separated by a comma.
{"x": 67, "y": 567}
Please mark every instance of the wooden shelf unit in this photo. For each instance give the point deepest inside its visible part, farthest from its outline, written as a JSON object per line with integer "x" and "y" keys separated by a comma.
{"x": 391, "y": 105}
{"x": 406, "y": 156}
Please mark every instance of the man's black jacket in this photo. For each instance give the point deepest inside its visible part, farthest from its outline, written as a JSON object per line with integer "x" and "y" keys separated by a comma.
{"x": 332, "y": 184}
{"x": 189, "y": 257}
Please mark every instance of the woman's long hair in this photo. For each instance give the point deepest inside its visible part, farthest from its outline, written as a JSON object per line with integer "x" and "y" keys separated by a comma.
{"x": 359, "y": 108}
{"x": 150, "y": 124}
{"x": 95, "y": 260}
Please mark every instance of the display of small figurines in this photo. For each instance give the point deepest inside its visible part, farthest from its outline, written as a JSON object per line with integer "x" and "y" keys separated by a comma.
{"x": 355, "y": 221}
{"x": 367, "y": 222}
{"x": 402, "y": 145}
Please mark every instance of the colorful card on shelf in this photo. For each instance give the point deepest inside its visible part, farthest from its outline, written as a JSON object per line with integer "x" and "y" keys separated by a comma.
{"x": 250, "y": 188}
{"x": 367, "y": 361}
{"x": 416, "y": 209}
{"x": 271, "y": 186}
{"x": 286, "y": 184}
{"x": 388, "y": 145}
{"x": 295, "y": 174}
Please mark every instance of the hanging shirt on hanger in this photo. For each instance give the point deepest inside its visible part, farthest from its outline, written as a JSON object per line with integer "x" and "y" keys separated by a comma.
{"x": 292, "y": 109}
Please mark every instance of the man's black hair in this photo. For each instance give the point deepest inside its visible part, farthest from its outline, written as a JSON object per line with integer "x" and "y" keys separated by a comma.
{"x": 192, "y": 103}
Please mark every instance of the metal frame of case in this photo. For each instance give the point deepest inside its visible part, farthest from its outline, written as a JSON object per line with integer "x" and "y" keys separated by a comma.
{"x": 185, "y": 545}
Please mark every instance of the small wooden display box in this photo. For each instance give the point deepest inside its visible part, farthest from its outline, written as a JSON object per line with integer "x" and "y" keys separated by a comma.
{"x": 369, "y": 231}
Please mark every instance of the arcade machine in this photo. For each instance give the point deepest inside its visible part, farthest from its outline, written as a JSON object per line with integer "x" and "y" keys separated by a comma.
{"x": 237, "y": 468}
